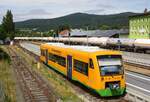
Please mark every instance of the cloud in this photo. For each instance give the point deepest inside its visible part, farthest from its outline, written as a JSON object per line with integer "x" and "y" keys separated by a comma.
{"x": 28, "y": 9}
{"x": 39, "y": 12}
{"x": 105, "y": 6}
{"x": 32, "y": 14}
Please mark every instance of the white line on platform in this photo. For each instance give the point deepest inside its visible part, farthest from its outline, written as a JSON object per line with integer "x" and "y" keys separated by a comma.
{"x": 138, "y": 87}
{"x": 138, "y": 76}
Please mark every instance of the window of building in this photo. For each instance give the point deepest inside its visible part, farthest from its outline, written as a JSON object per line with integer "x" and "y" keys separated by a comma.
{"x": 81, "y": 67}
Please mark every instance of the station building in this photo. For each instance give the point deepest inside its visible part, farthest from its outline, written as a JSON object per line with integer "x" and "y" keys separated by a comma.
{"x": 139, "y": 26}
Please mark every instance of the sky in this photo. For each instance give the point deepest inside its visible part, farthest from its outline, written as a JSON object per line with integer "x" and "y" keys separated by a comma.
{"x": 43, "y": 9}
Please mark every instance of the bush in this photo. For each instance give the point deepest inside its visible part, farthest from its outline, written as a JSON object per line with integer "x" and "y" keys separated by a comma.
{"x": 4, "y": 55}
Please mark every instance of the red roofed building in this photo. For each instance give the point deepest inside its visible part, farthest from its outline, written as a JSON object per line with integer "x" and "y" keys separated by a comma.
{"x": 64, "y": 33}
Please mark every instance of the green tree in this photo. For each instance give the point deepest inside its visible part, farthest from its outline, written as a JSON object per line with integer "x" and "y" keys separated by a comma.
{"x": 8, "y": 25}
{"x": 63, "y": 27}
{"x": 104, "y": 27}
{"x": 2, "y": 35}
{"x": 50, "y": 33}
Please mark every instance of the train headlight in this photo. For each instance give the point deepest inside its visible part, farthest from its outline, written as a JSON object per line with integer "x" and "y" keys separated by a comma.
{"x": 115, "y": 86}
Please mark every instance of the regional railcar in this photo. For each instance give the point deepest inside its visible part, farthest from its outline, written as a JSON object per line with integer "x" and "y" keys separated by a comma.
{"x": 98, "y": 69}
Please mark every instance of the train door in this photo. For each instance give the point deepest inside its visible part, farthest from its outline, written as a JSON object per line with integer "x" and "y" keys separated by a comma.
{"x": 46, "y": 55}
{"x": 69, "y": 67}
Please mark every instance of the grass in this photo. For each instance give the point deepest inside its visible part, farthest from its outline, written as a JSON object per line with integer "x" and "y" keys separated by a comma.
{"x": 60, "y": 86}
{"x": 6, "y": 77}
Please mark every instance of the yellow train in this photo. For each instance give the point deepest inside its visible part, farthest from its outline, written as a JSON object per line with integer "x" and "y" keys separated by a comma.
{"x": 98, "y": 69}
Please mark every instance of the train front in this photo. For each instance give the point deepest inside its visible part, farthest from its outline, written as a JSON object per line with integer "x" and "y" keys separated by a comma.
{"x": 112, "y": 78}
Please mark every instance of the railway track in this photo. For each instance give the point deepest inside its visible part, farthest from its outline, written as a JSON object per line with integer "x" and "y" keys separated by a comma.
{"x": 143, "y": 69}
{"x": 32, "y": 85}
{"x": 82, "y": 92}
{"x": 144, "y": 66}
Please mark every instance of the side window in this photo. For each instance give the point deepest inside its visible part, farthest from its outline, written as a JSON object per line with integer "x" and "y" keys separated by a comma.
{"x": 58, "y": 59}
{"x": 91, "y": 65}
{"x": 61, "y": 61}
{"x": 50, "y": 57}
{"x": 81, "y": 67}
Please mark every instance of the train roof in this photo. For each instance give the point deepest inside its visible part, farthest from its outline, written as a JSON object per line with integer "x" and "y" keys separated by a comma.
{"x": 77, "y": 47}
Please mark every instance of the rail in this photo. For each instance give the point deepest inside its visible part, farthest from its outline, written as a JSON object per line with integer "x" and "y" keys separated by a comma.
{"x": 138, "y": 64}
{"x": 33, "y": 86}
{"x": 136, "y": 96}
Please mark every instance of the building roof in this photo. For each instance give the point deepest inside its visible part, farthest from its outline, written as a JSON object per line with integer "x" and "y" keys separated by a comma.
{"x": 98, "y": 33}
{"x": 64, "y": 33}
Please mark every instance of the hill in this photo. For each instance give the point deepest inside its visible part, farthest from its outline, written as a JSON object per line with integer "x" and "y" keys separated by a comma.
{"x": 78, "y": 20}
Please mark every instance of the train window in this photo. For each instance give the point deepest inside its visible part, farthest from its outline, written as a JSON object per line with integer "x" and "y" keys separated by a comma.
{"x": 81, "y": 67}
{"x": 91, "y": 63}
{"x": 110, "y": 64}
{"x": 61, "y": 61}
{"x": 51, "y": 57}
{"x": 58, "y": 59}
{"x": 55, "y": 58}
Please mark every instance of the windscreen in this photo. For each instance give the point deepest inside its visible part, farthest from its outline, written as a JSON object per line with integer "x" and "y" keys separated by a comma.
{"x": 110, "y": 64}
